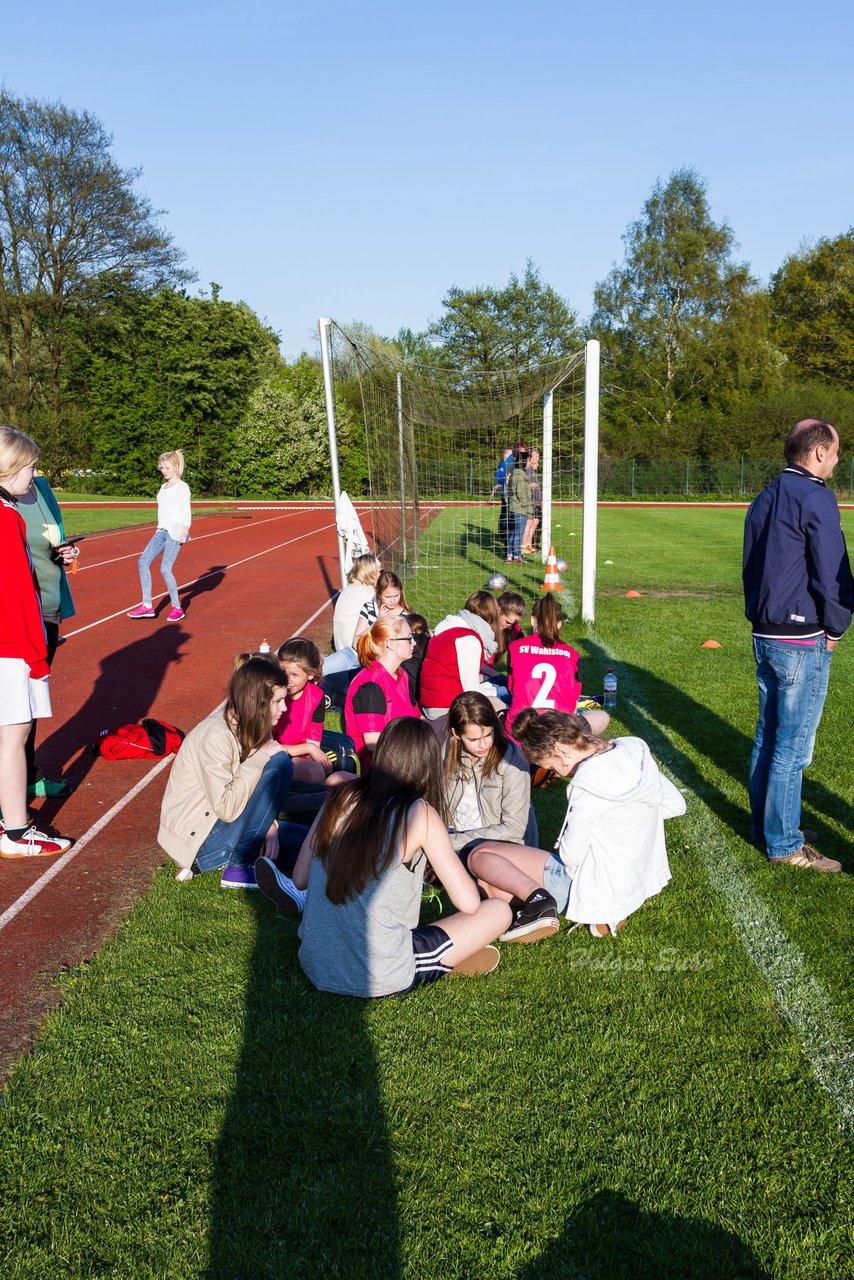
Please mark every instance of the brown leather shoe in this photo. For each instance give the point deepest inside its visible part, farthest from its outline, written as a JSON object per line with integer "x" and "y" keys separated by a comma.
{"x": 810, "y": 859}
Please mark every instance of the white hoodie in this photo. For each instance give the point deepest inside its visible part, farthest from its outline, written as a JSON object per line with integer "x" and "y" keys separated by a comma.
{"x": 612, "y": 839}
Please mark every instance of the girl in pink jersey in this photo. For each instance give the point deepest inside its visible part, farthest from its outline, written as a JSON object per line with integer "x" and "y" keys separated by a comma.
{"x": 300, "y": 726}
{"x": 543, "y": 669}
{"x": 380, "y": 692}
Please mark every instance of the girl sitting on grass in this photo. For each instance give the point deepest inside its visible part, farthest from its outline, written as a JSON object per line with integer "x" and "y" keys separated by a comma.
{"x": 300, "y": 726}
{"x": 229, "y": 782}
{"x": 363, "y": 865}
{"x": 611, "y": 855}
{"x": 543, "y": 669}
{"x": 380, "y": 692}
{"x": 458, "y": 649}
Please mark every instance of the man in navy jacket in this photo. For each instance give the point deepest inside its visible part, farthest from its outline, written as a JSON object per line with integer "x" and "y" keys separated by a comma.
{"x": 798, "y": 595}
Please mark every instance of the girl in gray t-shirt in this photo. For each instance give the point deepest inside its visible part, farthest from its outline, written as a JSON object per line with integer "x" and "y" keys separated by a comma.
{"x": 363, "y": 863}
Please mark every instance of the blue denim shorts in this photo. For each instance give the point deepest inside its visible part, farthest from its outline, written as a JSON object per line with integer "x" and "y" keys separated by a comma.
{"x": 557, "y": 881}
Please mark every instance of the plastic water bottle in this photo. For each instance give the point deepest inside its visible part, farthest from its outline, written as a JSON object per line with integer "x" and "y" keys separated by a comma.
{"x": 609, "y": 697}
{"x": 264, "y": 647}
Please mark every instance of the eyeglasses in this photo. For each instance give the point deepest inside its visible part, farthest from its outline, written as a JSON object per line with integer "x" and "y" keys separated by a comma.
{"x": 404, "y": 639}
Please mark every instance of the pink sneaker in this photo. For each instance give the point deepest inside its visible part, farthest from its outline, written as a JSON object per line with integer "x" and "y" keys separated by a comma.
{"x": 141, "y": 611}
{"x": 175, "y": 615}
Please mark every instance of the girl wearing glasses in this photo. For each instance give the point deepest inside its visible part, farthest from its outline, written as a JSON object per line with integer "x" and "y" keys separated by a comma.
{"x": 380, "y": 691}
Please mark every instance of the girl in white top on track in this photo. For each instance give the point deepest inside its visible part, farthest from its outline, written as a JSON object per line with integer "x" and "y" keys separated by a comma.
{"x": 173, "y": 530}
{"x": 611, "y": 855}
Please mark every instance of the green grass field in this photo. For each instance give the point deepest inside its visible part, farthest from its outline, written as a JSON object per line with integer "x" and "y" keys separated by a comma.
{"x": 675, "y": 1103}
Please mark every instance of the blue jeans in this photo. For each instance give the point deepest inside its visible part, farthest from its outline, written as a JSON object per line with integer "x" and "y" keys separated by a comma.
{"x": 239, "y": 842}
{"x": 516, "y": 524}
{"x": 792, "y": 681}
{"x": 170, "y": 548}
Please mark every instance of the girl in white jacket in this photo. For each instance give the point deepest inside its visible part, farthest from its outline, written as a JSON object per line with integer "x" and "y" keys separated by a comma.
{"x": 610, "y": 855}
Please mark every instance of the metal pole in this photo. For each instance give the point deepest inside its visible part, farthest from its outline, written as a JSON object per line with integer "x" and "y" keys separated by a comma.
{"x": 548, "y": 445}
{"x": 633, "y": 476}
{"x": 323, "y": 326}
{"x": 591, "y": 482}
{"x": 402, "y": 467}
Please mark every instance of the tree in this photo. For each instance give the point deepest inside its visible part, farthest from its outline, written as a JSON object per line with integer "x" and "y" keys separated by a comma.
{"x": 812, "y": 299}
{"x": 683, "y": 325}
{"x": 165, "y": 371}
{"x": 281, "y": 449}
{"x": 73, "y": 234}
{"x": 523, "y": 324}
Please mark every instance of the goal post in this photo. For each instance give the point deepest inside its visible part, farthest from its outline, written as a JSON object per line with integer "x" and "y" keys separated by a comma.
{"x": 434, "y": 437}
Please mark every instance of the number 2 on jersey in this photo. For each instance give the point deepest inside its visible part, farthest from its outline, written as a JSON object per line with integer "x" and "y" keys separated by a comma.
{"x": 544, "y": 671}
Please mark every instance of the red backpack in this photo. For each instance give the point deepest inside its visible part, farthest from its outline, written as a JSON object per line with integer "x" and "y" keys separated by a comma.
{"x": 150, "y": 740}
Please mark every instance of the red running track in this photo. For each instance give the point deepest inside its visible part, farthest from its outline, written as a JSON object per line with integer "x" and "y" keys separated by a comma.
{"x": 242, "y": 579}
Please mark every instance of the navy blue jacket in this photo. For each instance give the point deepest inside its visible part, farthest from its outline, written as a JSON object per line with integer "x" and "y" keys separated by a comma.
{"x": 796, "y": 574}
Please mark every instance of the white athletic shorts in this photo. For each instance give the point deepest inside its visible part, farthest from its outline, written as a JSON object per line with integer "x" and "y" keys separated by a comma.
{"x": 21, "y": 699}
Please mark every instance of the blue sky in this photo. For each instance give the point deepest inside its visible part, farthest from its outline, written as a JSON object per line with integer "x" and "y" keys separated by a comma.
{"x": 357, "y": 159}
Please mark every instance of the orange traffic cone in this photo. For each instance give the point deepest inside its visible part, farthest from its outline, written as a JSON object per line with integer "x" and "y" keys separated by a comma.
{"x": 552, "y": 582}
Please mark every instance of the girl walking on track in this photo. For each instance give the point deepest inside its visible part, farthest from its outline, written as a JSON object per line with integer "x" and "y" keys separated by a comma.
{"x": 173, "y": 530}
{"x": 363, "y": 863}
{"x": 24, "y": 669}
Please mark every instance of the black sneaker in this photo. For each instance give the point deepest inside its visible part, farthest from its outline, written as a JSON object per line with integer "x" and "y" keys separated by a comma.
{"x": 536, "y": 918}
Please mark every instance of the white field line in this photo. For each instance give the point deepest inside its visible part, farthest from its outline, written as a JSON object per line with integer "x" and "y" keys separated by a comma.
{"x": 800, "y": 996}
{"x": 134, "y": 555}
{"x": 106, "y": 818}
{"x": 184, "y": 585}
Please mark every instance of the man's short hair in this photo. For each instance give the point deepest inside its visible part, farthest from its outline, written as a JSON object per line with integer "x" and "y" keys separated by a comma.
{"x": 806, "y": 436}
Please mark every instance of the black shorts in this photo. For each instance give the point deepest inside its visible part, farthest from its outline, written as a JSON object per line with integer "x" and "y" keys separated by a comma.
{"x": 466, "y": 851}
{"x": 429, "y": 944}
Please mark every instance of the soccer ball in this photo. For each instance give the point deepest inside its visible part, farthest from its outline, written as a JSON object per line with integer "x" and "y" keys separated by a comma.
{"x": 497, "y": 582}
{"x": 562, "y": 566}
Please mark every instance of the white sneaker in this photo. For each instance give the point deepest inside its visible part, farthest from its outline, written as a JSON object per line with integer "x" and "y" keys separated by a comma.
{"x": 32, "y": 844}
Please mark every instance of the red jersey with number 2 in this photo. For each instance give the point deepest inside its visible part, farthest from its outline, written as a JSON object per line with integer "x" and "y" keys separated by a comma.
{"x": 542, "y": 676}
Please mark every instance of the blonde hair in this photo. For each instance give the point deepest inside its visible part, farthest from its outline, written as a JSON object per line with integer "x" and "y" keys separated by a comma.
{"x": 16, "y": 450}
{"x": 176, "y": 456}
{"x": 366, "y": 569}
{"x": 370, "y": 644}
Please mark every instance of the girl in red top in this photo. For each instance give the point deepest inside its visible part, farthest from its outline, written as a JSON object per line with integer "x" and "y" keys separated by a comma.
{"x": 458, "y": 649}
{"x": 300, "y": 726}
{"x": 543, "y": 669}
{"x": 380, "y": 692}
{"x": 24, "y": 669}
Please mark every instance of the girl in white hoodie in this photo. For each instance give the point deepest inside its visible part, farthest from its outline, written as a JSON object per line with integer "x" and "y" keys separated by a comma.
{"x": 610, "y": 854}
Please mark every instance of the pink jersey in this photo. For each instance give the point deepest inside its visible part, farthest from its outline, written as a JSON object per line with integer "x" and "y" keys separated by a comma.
{"x": 374, "y": 698}
{"x": 302, "y": 719}
{"x": 542, "y": 676}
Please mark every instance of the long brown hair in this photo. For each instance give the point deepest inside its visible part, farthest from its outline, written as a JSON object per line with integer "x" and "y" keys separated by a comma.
{"x": 484, "y": 604}
{"x": 472, "y": 708}
{"x": 303, "y": 653}
{"x": 548, "y": 616}
{"x": 388, "y": 579}
{"x": 247, "y": 707}
{"x": 538, "y": 735}
{"x": 363, "y": 822}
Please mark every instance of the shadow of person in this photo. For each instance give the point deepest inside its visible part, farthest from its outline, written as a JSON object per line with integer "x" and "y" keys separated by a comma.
{"x": 651, "y": 705}
{"x": 207, "y": 581}
{"x": 124, "y": 692}
{"x": 303, "y": 1180}
{"x": 611, "y": 1238}
{"x": 476, "y": 538}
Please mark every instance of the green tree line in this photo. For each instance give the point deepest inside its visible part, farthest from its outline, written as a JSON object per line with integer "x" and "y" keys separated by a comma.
{"x": 107, "y": 358}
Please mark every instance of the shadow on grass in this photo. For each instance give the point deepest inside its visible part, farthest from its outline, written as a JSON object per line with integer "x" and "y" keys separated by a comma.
{"x": 646, "y": 702}
{"x": 610, "y": 1238}
{"x": 303, "y": 1180}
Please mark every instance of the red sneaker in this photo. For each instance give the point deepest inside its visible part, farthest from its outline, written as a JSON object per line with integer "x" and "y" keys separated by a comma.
{"x": 175, "y": 615}
{"x": 32, "y": 844}
{"x": 141, "y": 611}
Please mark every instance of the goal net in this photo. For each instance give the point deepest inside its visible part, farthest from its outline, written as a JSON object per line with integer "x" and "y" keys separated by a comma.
{"x": 434, "y": 440}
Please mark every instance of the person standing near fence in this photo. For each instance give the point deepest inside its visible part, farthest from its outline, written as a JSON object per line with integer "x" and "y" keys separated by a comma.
{"x": 798, "y": 594}
{"x": 173, "y": 530}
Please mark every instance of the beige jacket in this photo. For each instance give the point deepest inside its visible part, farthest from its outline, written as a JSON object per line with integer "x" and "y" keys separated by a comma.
{"x": 207, "y": 782}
